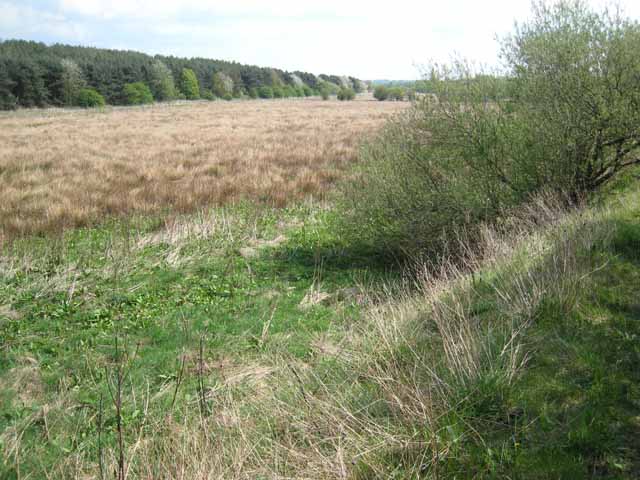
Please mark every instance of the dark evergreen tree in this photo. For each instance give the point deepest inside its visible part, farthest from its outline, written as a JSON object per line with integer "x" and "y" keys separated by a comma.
{"x": 7, "y": 100}
{"x": 34, "y": 74}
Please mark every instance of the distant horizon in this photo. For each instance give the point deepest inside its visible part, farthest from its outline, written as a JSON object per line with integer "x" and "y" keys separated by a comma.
{"x": 340, "y": 38}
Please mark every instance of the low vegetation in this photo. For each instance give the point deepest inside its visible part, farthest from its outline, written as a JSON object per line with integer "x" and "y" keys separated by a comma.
{"x": 137, "y": 93}
{"x": 89, "y": 98}
{"x": 187, "y": 157}
{"x": 397, "y": 93}
{"x": 234, "y": 345}
{"x": 346, "y": 94}
{"x": 465, "y": 306}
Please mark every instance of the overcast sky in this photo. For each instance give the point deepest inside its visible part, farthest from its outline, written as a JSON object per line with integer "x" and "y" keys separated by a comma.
{"x": 367, "y": 39}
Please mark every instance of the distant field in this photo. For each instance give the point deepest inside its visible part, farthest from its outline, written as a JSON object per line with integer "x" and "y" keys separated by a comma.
{"x": 66, "y": 168}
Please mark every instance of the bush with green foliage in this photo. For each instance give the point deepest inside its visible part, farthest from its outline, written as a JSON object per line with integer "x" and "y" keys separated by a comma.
{"x": 288, "y": 91}
{"x": 278, "y": 92}
{"x": 381, "y": 93}
{"x": 346, "y": 94}
{"x": 137, "y": 93}
{"x": 573, "y": 100}
{"x": 222, "y": 84}
{"x": 307, "y": 91}
{"x": 207, "y": 95}
{"x": 469, "y": 151}
{"x": 265, "y": 92}
{"x": 161, "y": 82}
{"x": 396, "y": 93}
{"x": 89, "y": 97}
{"x": 189, "y": 84}
{"x": 72, "y": 81}
{"x": 325, "y": 92}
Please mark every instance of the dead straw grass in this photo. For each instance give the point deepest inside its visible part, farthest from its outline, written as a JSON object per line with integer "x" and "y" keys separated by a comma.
{"x": 68, "y": 168}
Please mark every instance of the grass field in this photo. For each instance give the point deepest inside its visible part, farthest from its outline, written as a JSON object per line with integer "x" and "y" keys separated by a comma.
{"x": 250, "y": 340}
{"x": 197, "y": 235}
{"x": 69, "y": 168}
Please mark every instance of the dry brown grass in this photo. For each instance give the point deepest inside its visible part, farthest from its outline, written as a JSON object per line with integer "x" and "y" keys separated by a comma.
{"x": 66, "y": 168}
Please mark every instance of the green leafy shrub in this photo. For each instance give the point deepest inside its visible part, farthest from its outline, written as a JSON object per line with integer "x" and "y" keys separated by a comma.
{"x": 346, "y": 94}
{"x": 72, "y": 81}
{"x": 565, "y": 119}
{"x": 137, "y": 93}
{"x": 253, "y": 92}
{"x": 308, "y": 92}
{"x": 227, "y": 97}
{"x": 265, "y": 92}
{"x": 88, "y": 98}
{"x": 189, "y": 84}
{"x": 574, "y": 95}
{"x": 207, "y": 95}
{"x": 278, "y": 92}
{"x": 161, "y": 81}
{"x": 381, "y": 93}
{"x": 326, "y": 89}
{"x": 396, "y": 93}
{"x": 222, "y": 85}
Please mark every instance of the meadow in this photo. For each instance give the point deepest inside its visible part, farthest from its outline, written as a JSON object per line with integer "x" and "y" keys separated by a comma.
{"x": 69, "y": 168}
{"x": 314, "y": 289}
{"x": 197, "y": 241}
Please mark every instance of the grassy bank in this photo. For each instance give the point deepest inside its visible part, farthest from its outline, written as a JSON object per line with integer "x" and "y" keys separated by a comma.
{"x": 247, "y": 343}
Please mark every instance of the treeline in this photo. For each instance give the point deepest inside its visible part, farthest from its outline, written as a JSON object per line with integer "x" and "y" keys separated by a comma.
{"x": 33, "y": 74}
{"x": 397, "y": 93}
{"x": 400, "y": 90}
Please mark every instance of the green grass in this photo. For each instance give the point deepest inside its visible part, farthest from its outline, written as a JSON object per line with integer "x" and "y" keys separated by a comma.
{"x": 580, "y": 394}
{"x": 66, "y": 300}
{"x": 572, "y": 411}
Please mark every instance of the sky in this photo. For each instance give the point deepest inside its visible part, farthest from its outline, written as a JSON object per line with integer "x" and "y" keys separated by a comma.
{"x": 391, "y": 39}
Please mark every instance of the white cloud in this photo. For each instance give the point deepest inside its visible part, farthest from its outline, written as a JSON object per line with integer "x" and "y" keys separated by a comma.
{"x": 18, "y": 21}
{"x": 167, "y": 8}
